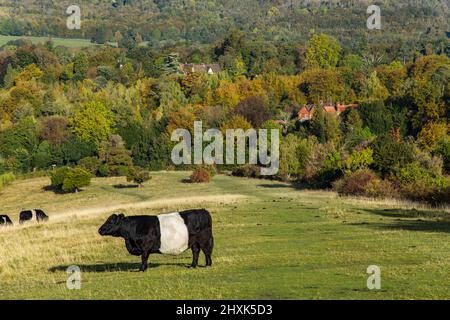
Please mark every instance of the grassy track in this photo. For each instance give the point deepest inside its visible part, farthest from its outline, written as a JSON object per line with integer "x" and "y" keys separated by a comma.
{"x": 272, "y": 241}
{"x": 70, "y": 43}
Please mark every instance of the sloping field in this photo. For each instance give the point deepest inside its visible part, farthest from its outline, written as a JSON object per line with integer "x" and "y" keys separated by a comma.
{"x": 272, "y": 241}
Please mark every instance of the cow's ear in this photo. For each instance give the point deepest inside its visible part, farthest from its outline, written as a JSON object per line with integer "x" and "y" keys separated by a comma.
{"x": 121, "y": 216}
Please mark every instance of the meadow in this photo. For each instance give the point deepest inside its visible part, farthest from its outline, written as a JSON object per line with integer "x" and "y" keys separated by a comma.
{"x": 66, "y": 42}
{"x": 272, "y": 241}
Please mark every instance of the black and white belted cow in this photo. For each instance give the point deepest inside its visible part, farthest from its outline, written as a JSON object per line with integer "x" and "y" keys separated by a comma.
{"x": 171, "y": 233}
{"x": 27, "y": 215}
{"x": 5, "y": 221}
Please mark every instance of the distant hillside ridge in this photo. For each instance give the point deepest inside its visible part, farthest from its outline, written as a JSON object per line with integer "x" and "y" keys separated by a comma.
{"x": 207, "y": 21}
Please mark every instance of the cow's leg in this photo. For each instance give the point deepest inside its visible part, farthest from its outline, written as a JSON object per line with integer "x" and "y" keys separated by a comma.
{"x": 144, "y": 258}
{"x": 207, "y": 248}
{"x": 195, "y": 254}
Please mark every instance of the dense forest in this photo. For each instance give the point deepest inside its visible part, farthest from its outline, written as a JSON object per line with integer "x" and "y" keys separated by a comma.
{"x": 109, "y": 109}
{"x": 410, "y": 25}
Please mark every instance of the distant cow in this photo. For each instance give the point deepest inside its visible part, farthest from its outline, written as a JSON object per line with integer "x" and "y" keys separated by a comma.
{"x": 27, "y": 215}
{"x": 171, "y": 233}
{"x": 40, "y": 215}
{"x": 5, "y": 221}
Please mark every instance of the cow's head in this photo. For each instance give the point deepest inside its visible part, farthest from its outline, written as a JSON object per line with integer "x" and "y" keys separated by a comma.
{"x": 112, "y": 225}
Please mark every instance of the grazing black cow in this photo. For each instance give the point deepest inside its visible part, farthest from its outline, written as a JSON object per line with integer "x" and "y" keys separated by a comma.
{"x": 171, "y": 233}
{"x": 5, "y": 221}
{"x": 26, "y": 215}
{"x": 40, "y": 215}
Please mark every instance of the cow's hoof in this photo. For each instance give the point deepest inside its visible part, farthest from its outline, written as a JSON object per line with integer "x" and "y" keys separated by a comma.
{"x": 192, "y": 266}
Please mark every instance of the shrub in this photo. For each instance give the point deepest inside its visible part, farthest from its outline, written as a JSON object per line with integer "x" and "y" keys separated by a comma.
{"x": 138, "y": 175}
{"x": 211, "y": 169}
{"x": 70, "y": 179}
{"x": 75, "y": 179}
{"x": 419, "y": 183}
{"x": 249, "y": 171}
{"x": 355, "y": 183}
{"x": 103, "y": 170}
{"x": 200, "y": 175}
{"x": 377, "y": 188}
{"x": 90, "y": 164}
{"x": 57, "y": 177}
{"x": 414, "y": 172}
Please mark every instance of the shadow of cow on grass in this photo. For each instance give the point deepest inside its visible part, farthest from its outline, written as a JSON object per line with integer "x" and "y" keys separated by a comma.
{"x": 115, "y": 267}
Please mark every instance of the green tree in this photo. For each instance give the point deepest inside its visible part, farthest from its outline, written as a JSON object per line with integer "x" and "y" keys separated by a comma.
{"x": 377, "y": 117}
{"x": 373, "y": 89}
{"x": 115, "y": 155}
{"x": 11, "y": 74}
{"x": 80, "y": 67}
{"x": 129, "y": 40}
{"x": 290, "y": 156}
{"x": 323, "y": 51}
{"x": 92, "y": 122}
{"x": 324, "y": 126}
{"x": 390, "y": 155}
{"x": 172, "y": 64}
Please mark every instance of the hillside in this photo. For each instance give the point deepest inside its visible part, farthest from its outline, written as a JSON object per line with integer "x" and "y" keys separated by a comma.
{"x": 207, "y": 21}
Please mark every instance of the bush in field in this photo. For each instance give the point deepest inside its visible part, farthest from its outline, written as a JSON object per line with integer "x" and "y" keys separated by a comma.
{"x": 90, "y": 164}
{"x": 70, "y": 179}
{"x": 248, "y": 171}
{"x": 200, "y": 175}
{"x": 355, "y": 183}
{"x": 57, "y": 177}
{"x": 138, "y": 175}
{"x": 211, "y": 169}
{"x": 6, "y": 179}
{"x": 75, "y": 179}
{"x": 377, "y": 188}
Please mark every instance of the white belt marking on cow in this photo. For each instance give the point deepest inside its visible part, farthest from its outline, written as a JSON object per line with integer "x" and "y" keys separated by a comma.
{"x": 174, "y": 234}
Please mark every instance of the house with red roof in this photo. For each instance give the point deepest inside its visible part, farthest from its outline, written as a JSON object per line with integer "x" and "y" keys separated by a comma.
{"x": 306, "y": 112}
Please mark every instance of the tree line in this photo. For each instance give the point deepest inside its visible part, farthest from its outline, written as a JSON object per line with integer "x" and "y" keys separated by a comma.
{"x": 111, "y": 110}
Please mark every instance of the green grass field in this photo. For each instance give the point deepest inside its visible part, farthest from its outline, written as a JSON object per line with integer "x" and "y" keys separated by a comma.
{"x": 272, "y": 241}
{"x": 70, "y": 43}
